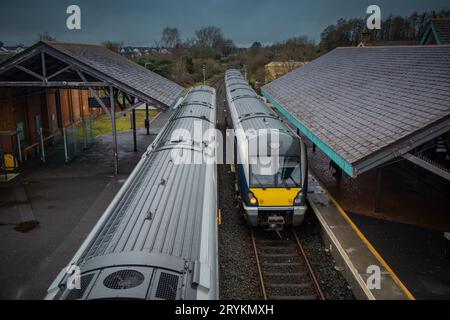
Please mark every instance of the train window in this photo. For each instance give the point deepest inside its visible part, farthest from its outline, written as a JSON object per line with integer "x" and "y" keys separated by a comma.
{"x": 287, "y": 175}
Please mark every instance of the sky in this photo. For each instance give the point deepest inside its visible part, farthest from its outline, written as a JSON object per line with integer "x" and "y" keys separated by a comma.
{"x": 140, "y": 22}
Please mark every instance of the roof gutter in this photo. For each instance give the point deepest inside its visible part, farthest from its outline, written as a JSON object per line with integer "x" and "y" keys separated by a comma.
{"x": 402, "y": 147}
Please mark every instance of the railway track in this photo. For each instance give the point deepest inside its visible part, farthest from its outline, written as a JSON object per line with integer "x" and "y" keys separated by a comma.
{"x": 284, "y": 270}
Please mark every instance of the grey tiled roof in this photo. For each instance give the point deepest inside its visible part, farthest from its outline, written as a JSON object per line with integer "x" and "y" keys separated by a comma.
{"x": 362, "y": 100}
{"x": 122, "y": 70}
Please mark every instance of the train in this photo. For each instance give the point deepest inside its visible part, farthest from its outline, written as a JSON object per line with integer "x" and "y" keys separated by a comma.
{"x": 271, "y": 197}
{"x": 157, "y": 240}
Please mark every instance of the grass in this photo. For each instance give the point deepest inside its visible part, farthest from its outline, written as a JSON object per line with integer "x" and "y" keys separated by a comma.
{"x": 102, "y": 124}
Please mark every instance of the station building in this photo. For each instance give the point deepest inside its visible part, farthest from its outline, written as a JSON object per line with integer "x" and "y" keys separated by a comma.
{"x": 53, "y": 86}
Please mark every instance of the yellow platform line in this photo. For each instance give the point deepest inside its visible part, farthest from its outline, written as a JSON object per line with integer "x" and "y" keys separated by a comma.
{"x": 370, "y": 246}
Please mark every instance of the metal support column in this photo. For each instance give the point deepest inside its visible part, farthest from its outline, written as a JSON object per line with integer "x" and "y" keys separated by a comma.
{"x": 114, "y": 131}
{"x": 147, "y": 120}
{"x": 66, "y": 152}
{"x": 41, "y": 134}
{"x": 133, "y": 116}
{"x": 19, "y": 147}
{"x": 378, "y": 190}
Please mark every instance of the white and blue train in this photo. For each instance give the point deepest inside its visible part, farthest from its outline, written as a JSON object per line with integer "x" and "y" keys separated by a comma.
{"x": 276, "y": 198}
{"x": 158, "y": 237}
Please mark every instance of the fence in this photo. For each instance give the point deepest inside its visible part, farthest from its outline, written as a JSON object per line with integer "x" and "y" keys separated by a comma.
{"x": 65, "y": 145}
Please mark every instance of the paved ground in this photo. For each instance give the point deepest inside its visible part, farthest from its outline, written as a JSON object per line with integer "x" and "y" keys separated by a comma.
{"x": 414, "y": 253}
{"x": 65, "y": 201}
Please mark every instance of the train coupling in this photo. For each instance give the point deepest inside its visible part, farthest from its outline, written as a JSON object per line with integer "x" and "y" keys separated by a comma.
{"x": 276, "y": 223}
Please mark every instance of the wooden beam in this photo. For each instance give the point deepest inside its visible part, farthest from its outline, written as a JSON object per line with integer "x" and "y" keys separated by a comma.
{"x": 44, "y": 67}
{"x": 34, "y": 74}
{"x": 63, "y": 84}
{"x": 59, "y": 72}
{"x": 94, "y": 94}
{"x": 132, "y": 107}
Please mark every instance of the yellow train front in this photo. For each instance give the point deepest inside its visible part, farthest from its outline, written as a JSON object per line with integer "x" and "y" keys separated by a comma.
{"x": 270, "y": 160}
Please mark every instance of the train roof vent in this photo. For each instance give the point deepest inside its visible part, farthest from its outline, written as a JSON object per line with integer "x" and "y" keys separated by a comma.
{"x": 167, "y": 286}
{"x": 123, "y": 279}
{"x": 75, "y": 294}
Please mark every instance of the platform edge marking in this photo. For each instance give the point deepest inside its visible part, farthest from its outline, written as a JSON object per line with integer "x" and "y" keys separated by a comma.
{"x": 370, "y": 246}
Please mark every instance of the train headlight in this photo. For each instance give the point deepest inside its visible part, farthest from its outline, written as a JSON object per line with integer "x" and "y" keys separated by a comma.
{"x": 298, "y": 199}
{"x": 252, "y": 199}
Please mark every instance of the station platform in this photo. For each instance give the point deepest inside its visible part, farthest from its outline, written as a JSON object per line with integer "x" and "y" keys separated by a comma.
{"x": 415, "y": 253}
{"x": 407, "y": 234}
{"x": 353, "y": 253}
{"x": 408, "y": 231}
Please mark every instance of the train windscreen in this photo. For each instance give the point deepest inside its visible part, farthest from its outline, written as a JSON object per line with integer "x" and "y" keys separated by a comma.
{"x": 286, "y": 174}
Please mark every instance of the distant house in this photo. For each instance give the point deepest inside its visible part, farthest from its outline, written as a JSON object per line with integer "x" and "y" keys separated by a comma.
{"x": 8, "y": 51}
{"x": 276, "y": 69}
{"x": 437, "y": 33}
{"x": 134, "y": 52}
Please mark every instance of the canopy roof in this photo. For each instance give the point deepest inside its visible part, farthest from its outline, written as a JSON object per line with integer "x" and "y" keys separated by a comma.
{"x": 365, "y": 106}
{"x": 57, "y": 64}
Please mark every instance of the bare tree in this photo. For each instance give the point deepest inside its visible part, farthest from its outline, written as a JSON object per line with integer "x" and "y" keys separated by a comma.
{"x": 113, "y": 46}
{"x": 210, "y": 36}
{"x": 170, "y": 37}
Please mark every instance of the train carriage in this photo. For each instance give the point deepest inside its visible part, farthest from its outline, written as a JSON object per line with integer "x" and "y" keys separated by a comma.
{"x": 272, "y": 197}
{"x": 158, "y": 237}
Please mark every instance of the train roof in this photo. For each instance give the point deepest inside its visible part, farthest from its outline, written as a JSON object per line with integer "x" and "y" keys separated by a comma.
{"x": 156, "y": 224}
{"x": 252, "y": 112}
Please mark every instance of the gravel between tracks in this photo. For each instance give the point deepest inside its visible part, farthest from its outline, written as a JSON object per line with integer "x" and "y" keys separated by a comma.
{"x": 237, "y": 265}
{"x": 332, "y": 282}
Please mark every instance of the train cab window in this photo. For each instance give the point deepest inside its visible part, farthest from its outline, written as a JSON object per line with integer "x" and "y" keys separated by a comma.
{"x": 287, "y": 175}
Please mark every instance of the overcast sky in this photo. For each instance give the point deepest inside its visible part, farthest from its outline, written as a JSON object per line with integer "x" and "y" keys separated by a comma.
{"x": 140, "y": 22}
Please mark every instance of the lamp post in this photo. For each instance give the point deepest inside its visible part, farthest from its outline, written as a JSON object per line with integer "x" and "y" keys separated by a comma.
{"x": 204, "y": 74}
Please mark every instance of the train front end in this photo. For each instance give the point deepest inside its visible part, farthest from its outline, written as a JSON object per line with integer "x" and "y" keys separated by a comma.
{"x": 276, "y": 183}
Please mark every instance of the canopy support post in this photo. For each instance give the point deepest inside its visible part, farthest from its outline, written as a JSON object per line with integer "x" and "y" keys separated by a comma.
{"x": 114, "y": 131}
{"x": 147, "y": 120}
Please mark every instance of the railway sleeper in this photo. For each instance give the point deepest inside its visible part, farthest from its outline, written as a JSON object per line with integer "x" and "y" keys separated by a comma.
{"x": 291, "y": 291}
{"x": 288, "y": 280}
{"x": 301, "y": 297}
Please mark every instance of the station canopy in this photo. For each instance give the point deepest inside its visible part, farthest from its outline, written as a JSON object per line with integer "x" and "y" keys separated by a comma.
{"x": 73, "y": 65}
{"x": 365, "y": 106}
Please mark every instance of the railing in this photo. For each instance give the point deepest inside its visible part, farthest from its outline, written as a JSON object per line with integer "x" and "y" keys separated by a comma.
{"x": 64, "y": 145}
